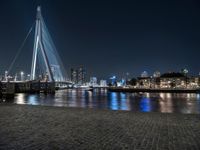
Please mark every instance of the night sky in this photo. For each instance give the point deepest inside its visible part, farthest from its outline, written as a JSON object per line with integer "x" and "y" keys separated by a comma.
{"x": 107, "y": 37}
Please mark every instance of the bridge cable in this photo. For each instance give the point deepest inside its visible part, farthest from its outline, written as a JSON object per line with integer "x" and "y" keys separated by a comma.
{"x": 20, "y": 49}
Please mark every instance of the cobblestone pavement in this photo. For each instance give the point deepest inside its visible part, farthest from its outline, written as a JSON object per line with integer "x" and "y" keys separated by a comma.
{"x": 41, "y": 127}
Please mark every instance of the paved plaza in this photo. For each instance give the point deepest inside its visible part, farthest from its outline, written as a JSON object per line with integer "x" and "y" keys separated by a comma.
{"x": 43, "y": 127}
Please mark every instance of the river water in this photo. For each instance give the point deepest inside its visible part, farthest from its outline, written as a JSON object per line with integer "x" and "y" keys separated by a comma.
{"x": 102, "y": 99}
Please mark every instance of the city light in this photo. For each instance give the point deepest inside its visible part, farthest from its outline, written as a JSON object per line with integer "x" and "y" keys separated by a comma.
{"x": 22, "y": 75}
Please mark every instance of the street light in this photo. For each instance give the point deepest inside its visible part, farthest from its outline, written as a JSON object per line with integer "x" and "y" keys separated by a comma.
{"x": 28, "y": 77}
{"x": 22, "y": 76}
{"x": 6, "y": 75}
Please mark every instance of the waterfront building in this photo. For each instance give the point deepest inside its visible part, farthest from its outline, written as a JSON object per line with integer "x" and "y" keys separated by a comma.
{"x": 123, "y": 82}
{"x": 193, "y": 82}
{"x": 155, "y": 80}
{"x": 173, "y": 80}
{"x": 93, "y": 81}
{"x": 113, "y": 80}
{"x": 144, "y": 82}
{"x": 103, "y": 83}
{"x": 78, "y": 75}
{"x": 156, "y": 74}
{"x": 170, "y": 80}
{"x": 73, "y": 75}
{"x": 81, "y": 75}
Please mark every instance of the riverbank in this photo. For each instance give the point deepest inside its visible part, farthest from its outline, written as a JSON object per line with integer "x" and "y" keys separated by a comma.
{"x": 136, "y": 90}
{"x": 43, "y": 127}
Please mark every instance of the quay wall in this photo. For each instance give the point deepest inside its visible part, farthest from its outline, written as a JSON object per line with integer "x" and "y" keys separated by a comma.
{"x": 132, "y": 90}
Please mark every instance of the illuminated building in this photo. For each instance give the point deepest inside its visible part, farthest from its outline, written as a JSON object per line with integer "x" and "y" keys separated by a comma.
{"x": 93, "y": 81}
{"x": 193, "y": 82}
{"x": 173, "y": 80}
{"x": 155, "y": 82}
{"x": 103, "y": 83}
{"x": 156, "y": 74}
{"x": 113, "y": 80}
{"x": 74, "y": 78}
{"x": 81, "y": 75}
{"x": 144, "y": 82}
{"x": 78, "y": 75}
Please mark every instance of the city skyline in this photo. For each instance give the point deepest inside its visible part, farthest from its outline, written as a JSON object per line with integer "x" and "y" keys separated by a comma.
{"x": 141, "y": 36}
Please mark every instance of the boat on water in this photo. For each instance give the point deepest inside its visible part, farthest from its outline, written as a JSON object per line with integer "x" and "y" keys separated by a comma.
{"x": 84, "y": 87}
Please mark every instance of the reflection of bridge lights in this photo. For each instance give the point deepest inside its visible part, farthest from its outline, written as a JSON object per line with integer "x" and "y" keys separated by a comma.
{"x": 90, "y": 96}
{"x": 114, "y": 104}
{"x": 145, "y": 105}
{"x": 20, "y": 99}
{"x": 33, "y": 100}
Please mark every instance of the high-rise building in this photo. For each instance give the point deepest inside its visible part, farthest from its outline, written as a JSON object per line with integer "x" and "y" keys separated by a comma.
{"x": 74, "y": 78}
{"x": 81, "y": 75}
{"x": 93, "y": 81}
{"x": 78, "y": 75}
{"x": 103, "y": 83}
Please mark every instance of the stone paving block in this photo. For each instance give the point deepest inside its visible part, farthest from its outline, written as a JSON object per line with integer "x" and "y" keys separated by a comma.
{"x": 42, "y": 127}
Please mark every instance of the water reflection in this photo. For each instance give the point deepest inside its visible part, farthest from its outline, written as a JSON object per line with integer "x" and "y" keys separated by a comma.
{"x": 101, "y": 99}
{"x": 165, "y": 103}
{"x": 113, "y": 103}
{"x": 145, "y": 105}
{"x": 32, "y": 100}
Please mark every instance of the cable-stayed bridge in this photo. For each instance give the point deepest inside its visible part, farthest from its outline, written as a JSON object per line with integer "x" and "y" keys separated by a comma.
{"x": 47, "y": 68}
{"x": 46, "y": 60}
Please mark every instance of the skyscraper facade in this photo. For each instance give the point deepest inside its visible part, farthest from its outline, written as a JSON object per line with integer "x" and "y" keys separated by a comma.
{"x": 78, "y": 75}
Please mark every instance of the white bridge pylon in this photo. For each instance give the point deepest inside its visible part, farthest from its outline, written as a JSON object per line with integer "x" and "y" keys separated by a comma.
{"x": 45, "y": 57}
